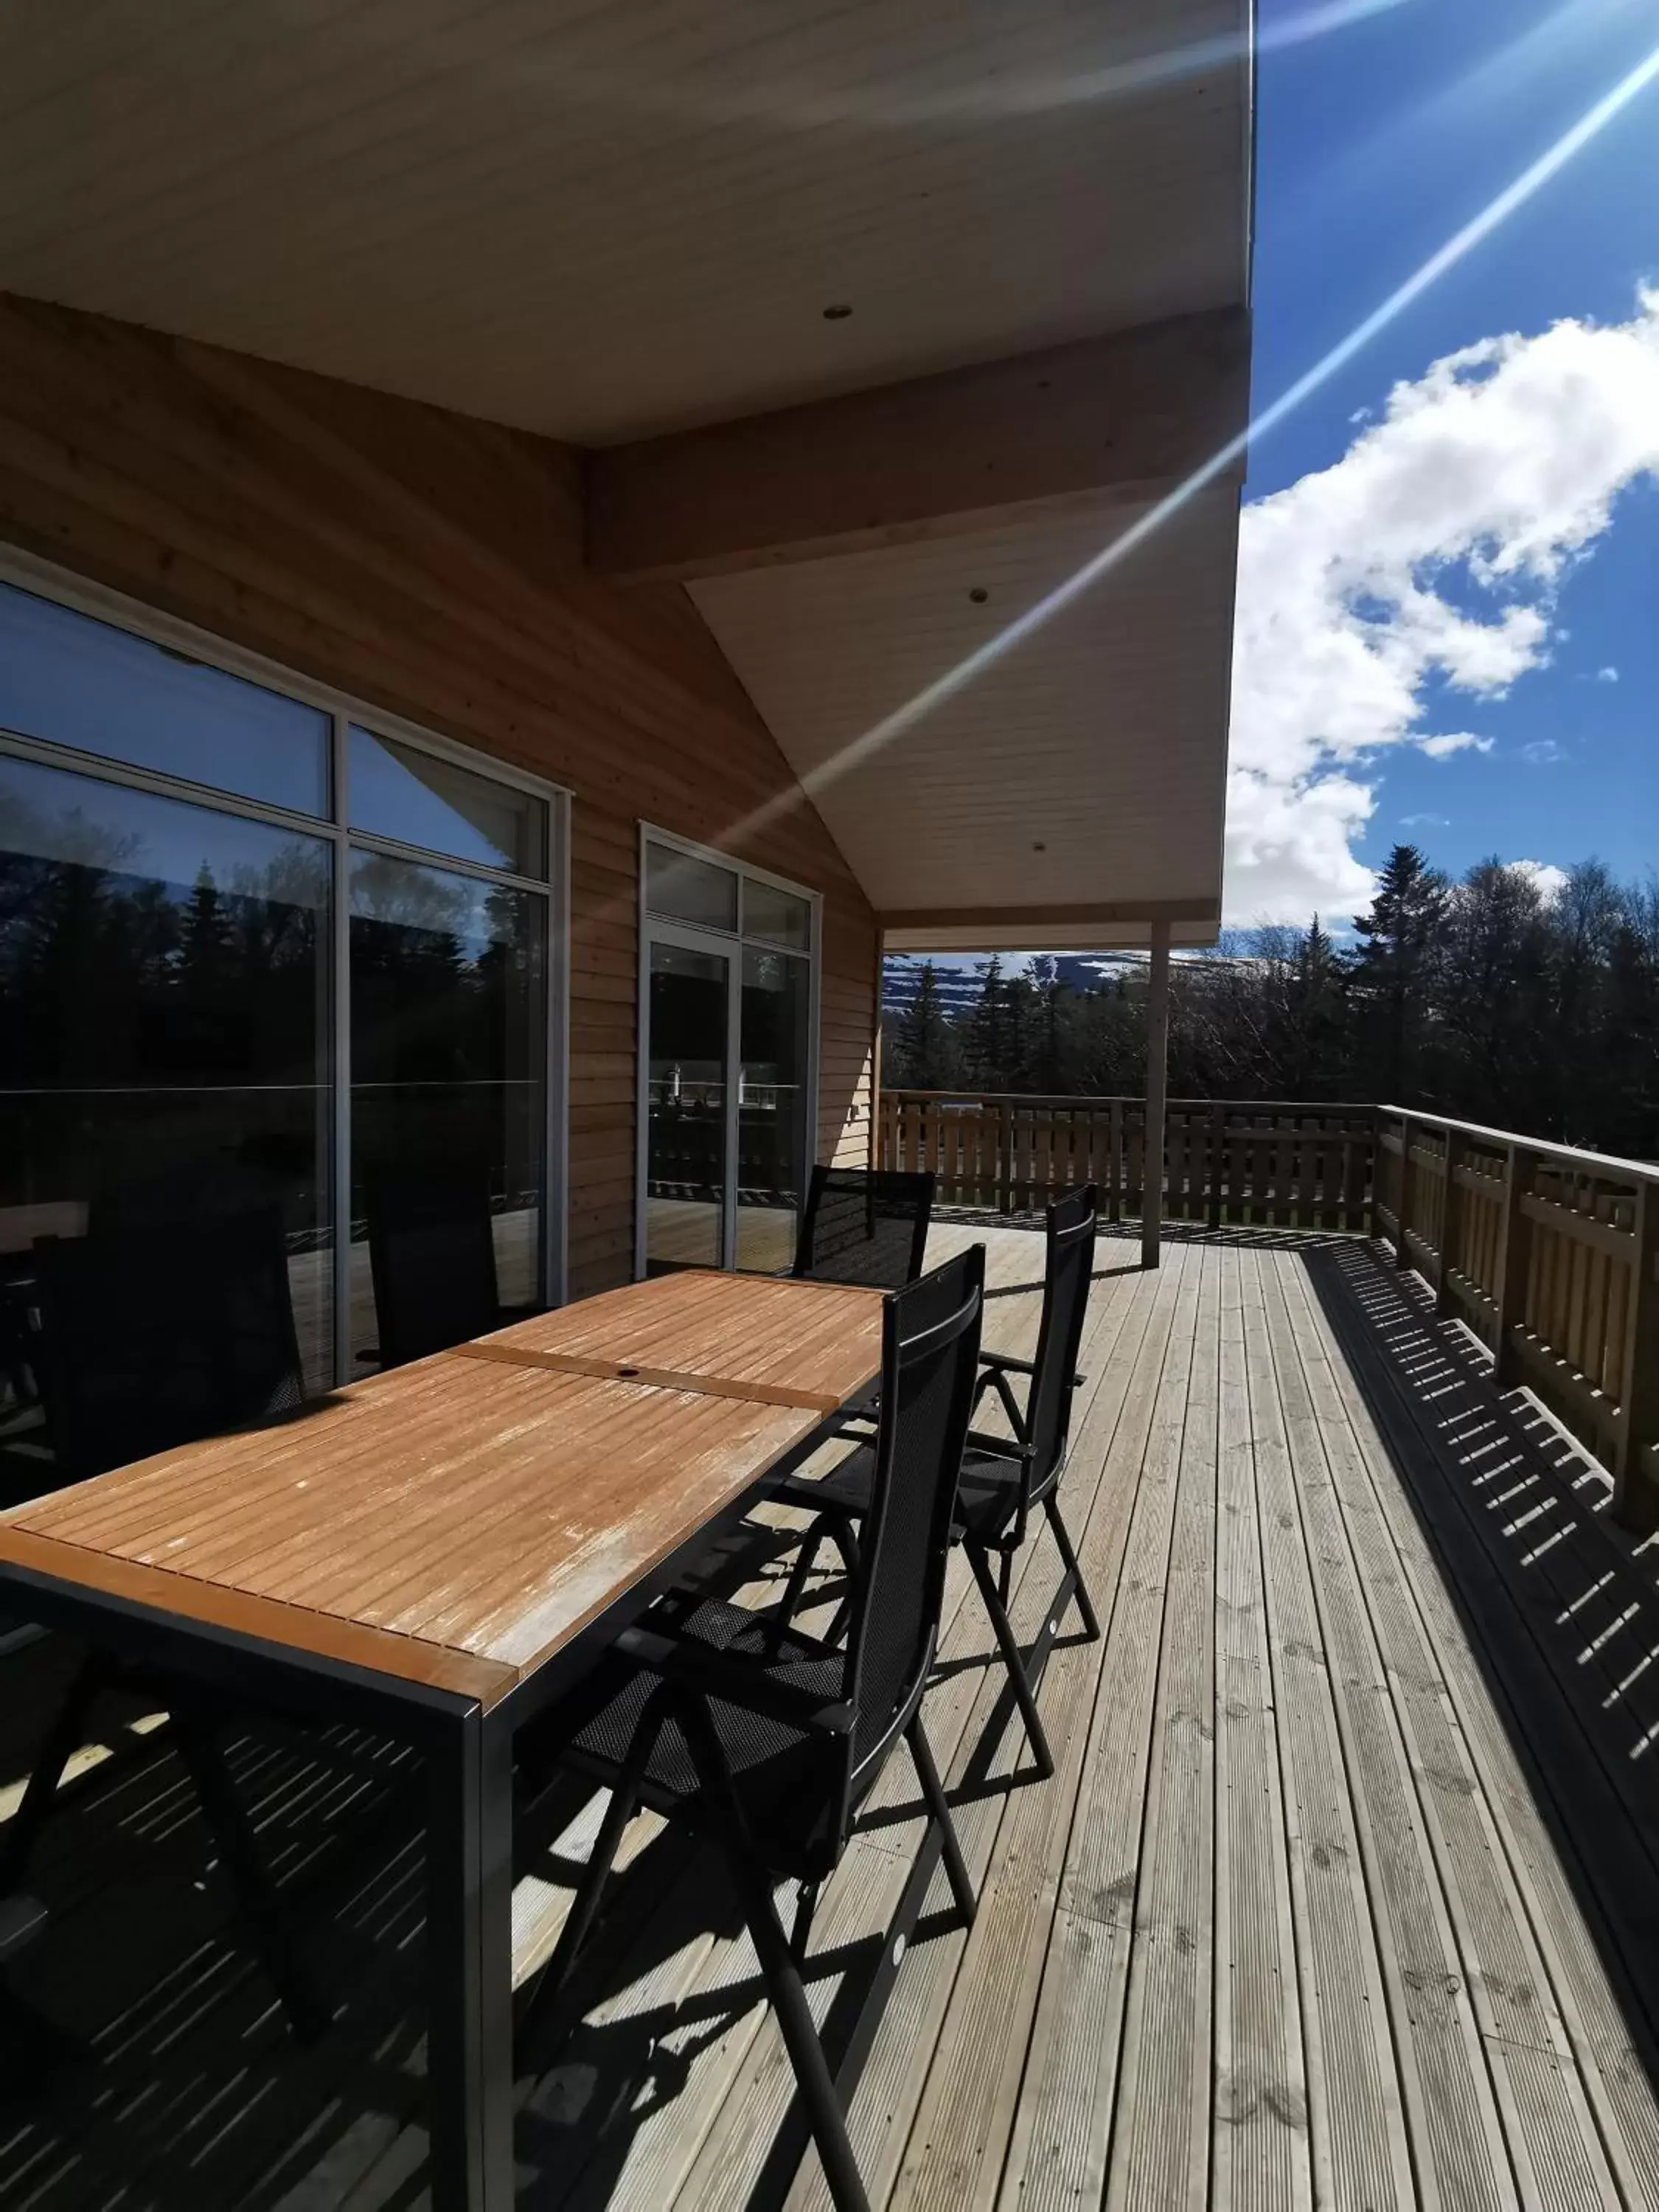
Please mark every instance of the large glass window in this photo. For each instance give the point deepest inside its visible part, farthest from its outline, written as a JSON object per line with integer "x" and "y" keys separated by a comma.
{"x": 727, "y": 1080}
{"x": 77, "y": 682}
{"x": 190, "y": 1028}
{"x": 449, "y": 1051}
{"x": 164, "y": 1025}
{"x": 421, "y": 799}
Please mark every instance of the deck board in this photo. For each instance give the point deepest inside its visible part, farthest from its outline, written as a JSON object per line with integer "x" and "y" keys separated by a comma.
{"x": 1344, "y": 1893}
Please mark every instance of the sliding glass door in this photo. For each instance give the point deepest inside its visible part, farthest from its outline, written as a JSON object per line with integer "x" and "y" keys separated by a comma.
{"x": 687, "y": 1149}
{"x": 727, "y": 1066}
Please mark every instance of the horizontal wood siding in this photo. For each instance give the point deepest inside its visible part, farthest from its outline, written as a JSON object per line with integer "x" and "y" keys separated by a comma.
{"x": 433, "y": 565}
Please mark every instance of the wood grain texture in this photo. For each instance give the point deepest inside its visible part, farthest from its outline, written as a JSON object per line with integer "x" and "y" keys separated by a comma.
{"x": 1131, "y": 414}
{"x": 817, "y": 1342}
{"x": 1409, "y": 1683}
{"x": 433, "y": 565}
{"x": 461, "y": 1506}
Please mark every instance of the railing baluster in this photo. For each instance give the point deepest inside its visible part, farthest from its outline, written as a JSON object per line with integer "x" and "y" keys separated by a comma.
{"x": 1635, "y": 1492}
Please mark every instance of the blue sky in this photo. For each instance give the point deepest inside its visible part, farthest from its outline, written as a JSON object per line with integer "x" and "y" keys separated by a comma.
{"x": 1376, "y": 141}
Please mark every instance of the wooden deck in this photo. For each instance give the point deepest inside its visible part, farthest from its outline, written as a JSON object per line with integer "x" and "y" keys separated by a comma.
{"x": 1345, "y": 1893}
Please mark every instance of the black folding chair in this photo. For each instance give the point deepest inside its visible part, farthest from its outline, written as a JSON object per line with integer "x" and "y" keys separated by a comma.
{"x": 432, "y": 1248}
{"x": 767, "y": 1741}
{"x": 864, "y": 1227}
{"x": 146, "y": 1339}
{"x": 1004, "y": 1480}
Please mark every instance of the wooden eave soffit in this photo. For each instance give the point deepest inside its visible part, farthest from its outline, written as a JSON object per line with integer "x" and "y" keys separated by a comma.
{"x": 1125, "y": 417}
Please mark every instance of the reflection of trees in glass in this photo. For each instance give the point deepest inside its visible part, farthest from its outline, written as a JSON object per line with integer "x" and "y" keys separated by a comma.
{"x": 133, "y": 1007}
{"x": 443, "y": 976}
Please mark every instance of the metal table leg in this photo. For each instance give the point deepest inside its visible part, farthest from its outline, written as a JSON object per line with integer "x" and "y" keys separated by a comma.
{"x": 470, "y": 1957}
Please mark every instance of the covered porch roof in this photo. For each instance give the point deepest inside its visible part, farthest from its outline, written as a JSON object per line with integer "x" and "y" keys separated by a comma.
{"x": 879, "y": 324}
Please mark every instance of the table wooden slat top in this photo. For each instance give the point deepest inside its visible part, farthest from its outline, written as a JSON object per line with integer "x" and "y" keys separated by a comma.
{"x": 457, "y": 1521}
{"x": 805, "y": 1344}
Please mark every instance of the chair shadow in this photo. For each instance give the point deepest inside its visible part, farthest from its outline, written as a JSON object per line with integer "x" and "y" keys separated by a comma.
{"x": 1559, "y": 1604}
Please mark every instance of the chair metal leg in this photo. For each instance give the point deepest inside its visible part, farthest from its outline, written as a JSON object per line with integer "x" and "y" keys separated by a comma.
{"x": 807, "y": 1906}
{"x": 805, "y": 1559}
{"x": 255, "y": 1893}
{"x": 1079, "y": 1588}
{"x": 63, "y": 1739}
{"x": 939, "y": 1806}
{"x": 780, "y": 1972}
{"x": 840, "y": 1527}
{"x": 584, "y": 1908}
{"x": 1008, "y": 1642}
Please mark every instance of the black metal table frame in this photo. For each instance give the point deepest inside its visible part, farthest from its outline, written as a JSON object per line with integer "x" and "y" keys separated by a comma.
{"x": 468, "y": 1756}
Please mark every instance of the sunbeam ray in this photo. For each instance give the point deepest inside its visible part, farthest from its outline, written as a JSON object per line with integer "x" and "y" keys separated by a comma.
{"x": 1230, "y": 456}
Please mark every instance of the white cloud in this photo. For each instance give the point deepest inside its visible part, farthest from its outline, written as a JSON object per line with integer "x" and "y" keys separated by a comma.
{"x": 1431, "y": 553}
{"x": 1425, "y": 822}
{"x": 1550, "y": 880}
{"x": 1607, "y": 675}
{"x": 1541, "y": 752}
{"x": 1443, "y": 748}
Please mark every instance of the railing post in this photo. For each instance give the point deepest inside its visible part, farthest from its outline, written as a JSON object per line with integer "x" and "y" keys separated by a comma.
{"x": 1115, "y": 1158}
{"x": 1513, "y": 1251}
{"x": 1451, "y": 1214}
{"x": 1006, "y": 1155}
{"x": 1635, "y": 1493}
{"x": 1403, "y": 1219}
{"x": 1158, "y": 1084}
{"x": 1217, "y": 1160}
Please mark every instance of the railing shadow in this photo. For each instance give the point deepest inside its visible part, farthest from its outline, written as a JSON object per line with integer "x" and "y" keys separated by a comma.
{"x": 1559, "y": 1605}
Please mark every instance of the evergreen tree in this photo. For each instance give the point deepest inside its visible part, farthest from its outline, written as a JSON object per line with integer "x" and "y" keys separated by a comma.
{"x": 985, "y": 1048}
{"x": 926, "y": 1041}
{"x": 1391, "y": 978}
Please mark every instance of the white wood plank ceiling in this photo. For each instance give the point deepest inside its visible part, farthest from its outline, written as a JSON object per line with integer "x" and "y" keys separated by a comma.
{"x": 604, "y": 219}
{"x": 601, "y": 218}
{"x": 1080, "y": 766}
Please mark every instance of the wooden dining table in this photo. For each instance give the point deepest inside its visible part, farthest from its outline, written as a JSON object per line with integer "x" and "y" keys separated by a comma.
{"x": 440, "y": 1552}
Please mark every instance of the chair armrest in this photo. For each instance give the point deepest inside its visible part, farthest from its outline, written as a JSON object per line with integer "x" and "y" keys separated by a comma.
{"x": 998, "y": 1447}
{"x": 693, "y": 1666}
{"x": 1007, "y": 1361}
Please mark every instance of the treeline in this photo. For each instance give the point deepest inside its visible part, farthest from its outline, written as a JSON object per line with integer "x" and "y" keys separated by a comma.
{"x": 1485, "y": 998}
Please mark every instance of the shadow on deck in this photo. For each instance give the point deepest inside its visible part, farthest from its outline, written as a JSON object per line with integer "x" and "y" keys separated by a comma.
{"x": 1344, "y": 1891}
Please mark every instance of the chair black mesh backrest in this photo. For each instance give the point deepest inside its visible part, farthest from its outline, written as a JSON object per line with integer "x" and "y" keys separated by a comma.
{"x": 149, "y": 1338}
{"x": 1067, "y": 1274}
{"x": 930, "y": 1355}
{"x": 433, "y": 1251}
{"x": 860, "y": 1227}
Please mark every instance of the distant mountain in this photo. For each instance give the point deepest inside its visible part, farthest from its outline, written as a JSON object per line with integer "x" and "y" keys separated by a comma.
{"x": 958, "y": 974}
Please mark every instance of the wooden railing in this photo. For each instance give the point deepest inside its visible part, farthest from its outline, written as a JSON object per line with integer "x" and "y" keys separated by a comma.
{"x": 1265, "y": 1161}
{"x": 1549, "y": 1255}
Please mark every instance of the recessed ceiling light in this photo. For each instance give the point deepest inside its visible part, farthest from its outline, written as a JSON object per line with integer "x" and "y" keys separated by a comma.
{"x": 836, "y": 314}
{"x": 979, "y": 595}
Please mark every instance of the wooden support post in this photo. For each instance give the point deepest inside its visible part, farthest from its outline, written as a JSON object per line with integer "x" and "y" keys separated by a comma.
{"x": 1116, "y": 1159}
{"x": 1158, "y": 1086}
{"x": 1634, "y": 1490}
{"x": 1514, "y": 1250}
{"x": 1451, "y": 1217}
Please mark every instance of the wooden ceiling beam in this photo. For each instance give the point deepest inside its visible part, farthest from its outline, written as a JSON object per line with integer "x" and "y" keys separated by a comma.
{"x": 1126, "y": 417}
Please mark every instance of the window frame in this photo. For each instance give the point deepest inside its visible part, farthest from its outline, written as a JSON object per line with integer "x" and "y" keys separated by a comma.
{"x": 732, "y": 943}
{"x": 47, "y": 581}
